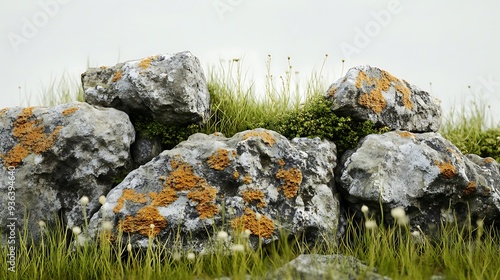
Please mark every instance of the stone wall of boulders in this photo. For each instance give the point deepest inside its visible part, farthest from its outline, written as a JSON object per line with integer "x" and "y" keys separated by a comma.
{"x": 256, "y": 182}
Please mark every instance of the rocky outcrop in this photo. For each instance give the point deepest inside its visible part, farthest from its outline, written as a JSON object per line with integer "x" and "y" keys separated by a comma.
{"x": 369, "y": 93}
{"x": 169, "y": 88}
{"x": 319, "y": 267}
{"x": 54, "y": 156}
{"x": 423, "y": 173}
{"x": 256, "y": 181}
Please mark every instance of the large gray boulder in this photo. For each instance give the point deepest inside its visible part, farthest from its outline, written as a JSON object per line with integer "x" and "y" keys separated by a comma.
{"x": 320, "y": 267}
{"x": 54, "y": 156}
{"x": 369, "y": 93}
{"x": 256, "y": 181}
{"x": 423, "y": 173}
{"x": 169, "y": 88}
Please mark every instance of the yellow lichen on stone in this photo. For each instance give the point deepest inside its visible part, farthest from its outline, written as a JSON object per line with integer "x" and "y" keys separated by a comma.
{"x": 471, "y": 188}
{"x": 145, "y": 63}
{"x": 117, "y": 76}
{"x": 489, "y": 160}
{"x": 236, "y": 175}
{"x": 281, "y": 162}
{"x": 331, "y": 92}
{"x": 457, "y": 156}
{"x": 3, "y": 111}
{"x": 141, "y": 223}
{"x": 262, "y": 227}
{"x": 182, "y": 178}
{"x": 447, "y": 169}
{"x": 129, "y": 195}
{"x": 165, "y": 197}
{"x": 251, "y": 195}
{"x": 405, "y": 134}
{"x": 375, "y": 100}
{"x": 219, "y": 160}
{"x": 265, "y": 136}
{"x": 32, "y": 138}
{"x": 247, "y": 180}
{"x": 69, "y": 111}
{"x": 103, "y": 67}
{"x": 293, "y": 179}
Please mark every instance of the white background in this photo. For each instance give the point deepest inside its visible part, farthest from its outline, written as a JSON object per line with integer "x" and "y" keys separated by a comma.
{"x": 449, "y": 44}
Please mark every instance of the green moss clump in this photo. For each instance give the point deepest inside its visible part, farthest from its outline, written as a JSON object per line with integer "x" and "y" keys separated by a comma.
{"x": 170, "y": 135}
{"x": 316, "y": 119}
{"x": 490, "y": 144}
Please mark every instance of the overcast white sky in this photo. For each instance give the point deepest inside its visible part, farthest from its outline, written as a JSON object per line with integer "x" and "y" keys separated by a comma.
{"x": 451, "y": 44}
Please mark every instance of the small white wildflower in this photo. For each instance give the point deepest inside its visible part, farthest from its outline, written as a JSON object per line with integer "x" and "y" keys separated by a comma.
{"x": 480, "y": 223}
{"x": 107, "y": 225}
{"x": 77, "y": 230}
{"x": 415, "y": 233}
{"x": 41, "y": 224}
{"x": 102, "y": 199}
{"x": 399, "y": 215}
{"x": 364, "y": 209}
{"x": 191, "y": 256}
{"x": 246, "y": 233}
{"x": 84, "y": 200}
{"x": 176, "y": 256}
{"x": 258, "y": 216}
{"x": 152, "y": 226}
{"x": 238, "y": 248}
{"x": 129, "y": 247}
{"x": 498, "y": 138}
{"x": 222, "y": 235}
{"x": 370, "y": 224}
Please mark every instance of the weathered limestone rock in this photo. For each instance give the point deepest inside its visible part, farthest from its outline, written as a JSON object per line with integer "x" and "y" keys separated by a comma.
{"x": 369, "y": 93}
{"x": 169, "y": 88}
{"x": 57, "y": 155}
{"x": 319, "y": 267}
{"x": 425, "y": 174}
{"x": 256, "y": 180}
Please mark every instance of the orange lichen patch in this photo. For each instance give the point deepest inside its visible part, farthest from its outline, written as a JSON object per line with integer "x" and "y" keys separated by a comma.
{"x": 265, "y": 136}
{"x": 117, "y": 76}
{"x": 141, "y": 223}
{"x": 447, "y": 169}
{"x": 247, "y": 180}
{"x": 457, "y": 156}
{"x": 405, "y": 134}
{"x": 234, "y": 153}
{"x": 3, "y": 111}
{"x": 182, "y": 177}
{"x": 487, "y": 191}
{"x": 375, "y": 100}
{"x": 293, "y": 179}
{"x": 252, "y": 195}
{"x": 471, "y": 187}
{"x": 281, "y": 162}
{"x": 236, "y": 174}
{"x": 331, "y": 91}
{"x": 489, "y": 160}
{"x": 264, "y": 227}
{"x": 69, "y": 111}
{"x": 219, "y": 160}
{"x": 130, "y": 195}
{"x": 32, "y": 138}
{"x": 164, "y": 198}
{"x": 103, "y": 67}
{"x": 145, "y": 63}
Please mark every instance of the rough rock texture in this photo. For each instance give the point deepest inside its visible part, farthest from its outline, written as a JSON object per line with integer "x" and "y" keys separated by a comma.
{"x": 145, "y": 149}
{"x": 369, "y": 93}
{"x": 256, "y": 180}
{"x": 57, "y": 155}
{"x": 169, "y": 88}
{"x": 320, "y": 267}
{"x": 425, "y": 174}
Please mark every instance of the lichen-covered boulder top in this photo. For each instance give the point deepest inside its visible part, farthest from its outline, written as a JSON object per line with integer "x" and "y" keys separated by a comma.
{"x": 256, "y": 180}
{"x": 369, "y": 93}
{"x": 169, "y": 88}
{"x": 425, "y": 174}
{"x": 58, "y": 155}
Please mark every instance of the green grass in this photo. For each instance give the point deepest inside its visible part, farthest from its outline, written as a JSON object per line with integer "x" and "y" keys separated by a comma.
{"x": 470, "y": 252}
